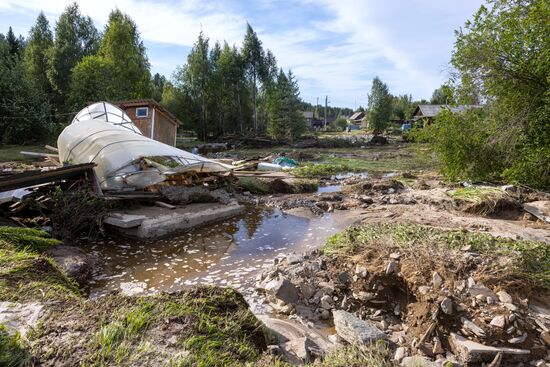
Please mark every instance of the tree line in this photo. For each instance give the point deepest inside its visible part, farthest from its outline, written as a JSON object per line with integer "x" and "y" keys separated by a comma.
{"x": 501, "y": 58}
{"x": 219, "y": 90}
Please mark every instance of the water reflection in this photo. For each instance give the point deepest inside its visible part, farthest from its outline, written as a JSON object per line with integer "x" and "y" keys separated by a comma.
{"x": 228, "y": 253}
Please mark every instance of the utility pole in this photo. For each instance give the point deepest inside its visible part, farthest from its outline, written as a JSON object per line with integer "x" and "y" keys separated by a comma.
{"x": 326, "y": 104}
{"x": 316, "y": 106}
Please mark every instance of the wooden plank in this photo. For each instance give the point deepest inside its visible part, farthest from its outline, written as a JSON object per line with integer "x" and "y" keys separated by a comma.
{"x": 32, "y": 178}
{"x": 49, "y": 147}
{"x": 37, "y": 154}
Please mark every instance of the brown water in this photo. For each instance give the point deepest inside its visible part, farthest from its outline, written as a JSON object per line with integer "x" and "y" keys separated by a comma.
{"x": 230, "y": 253}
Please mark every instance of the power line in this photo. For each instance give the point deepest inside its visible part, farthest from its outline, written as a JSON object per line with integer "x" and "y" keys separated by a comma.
{"x": 37, "y": 116}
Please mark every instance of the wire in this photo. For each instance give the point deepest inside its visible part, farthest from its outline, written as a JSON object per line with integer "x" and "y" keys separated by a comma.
{"x": 26, "y": 117}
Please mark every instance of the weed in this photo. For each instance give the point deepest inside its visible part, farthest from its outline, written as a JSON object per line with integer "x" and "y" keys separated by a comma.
{"x": 13, "y": 353}
{"x": 321, "y": 170}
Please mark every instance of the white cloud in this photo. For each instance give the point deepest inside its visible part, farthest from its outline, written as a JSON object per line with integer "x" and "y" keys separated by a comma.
{"x": 407, "y": 43}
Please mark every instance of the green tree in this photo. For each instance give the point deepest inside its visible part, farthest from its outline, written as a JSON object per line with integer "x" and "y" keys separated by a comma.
{"x": 39, "y": 42}
{"x": 253, "y": 55}
{"x": 75, "y": 37}
{"x": 379, "y": 107}
{"x": 442, "y": 95}
{"x": 285, "y": 118}
{"x": 158, "y": 86}
{"x": 503, "y": 54}
{"x": 402, "y": 106}
{"x": 23, "y": 113}
{"x": 196, "y": 76}
{"x": 119, "y": 70}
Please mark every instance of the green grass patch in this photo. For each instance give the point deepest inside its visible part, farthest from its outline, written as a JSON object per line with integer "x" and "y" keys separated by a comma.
{"x": 25, "y": 273}
{"x": 525, "y": 259}
{"x": 482, "y": 200}
{"x": 321, "y": 170}
{"x": 11, "y": 153}
{"x": 13, "y": 352}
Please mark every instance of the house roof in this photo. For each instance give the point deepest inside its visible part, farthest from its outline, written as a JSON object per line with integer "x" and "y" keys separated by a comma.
{"x": 308, "y": 114}
{"x": 357, "y": 115}
{"x": 430, "y": 110}
{"x": 147, "y": 102}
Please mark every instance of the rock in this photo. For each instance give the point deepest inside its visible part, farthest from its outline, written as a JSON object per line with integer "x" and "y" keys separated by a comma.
{"x": 490, "y": 300}
{"x": 447, "y": 306}
{"x": 282, "y": 289}
{"x": 468, "y": 351}
{"x": 76, "y": 263}
{"x": 471, "y": 282}
{"x": 384, "y": 325}
{"x": 294, "y": 259}
{"x": 472, "y": 327}
{"x": 424, "y": 289}
{"x": 361, "y": 271}
{"x": 498, "y": 321}
{"x": 19, "y": 317}
{"x": 344, "y": 277}
{"x": 545, "y": 336}
{"x": 306, "y": 290}
{"x": 132, "y": 288}
{"x": 355, "y": 331}
{"x": 366, "y": 199}
{"x": 400, "y": 353}
{"x": 438, "y": 347}
{"x": 518, "y": 340}
{"x": 504, "y": 297}
{"x": 301, "y": 347}
{"x": 364, "y": 296}
{"x": 437, "y": 280}
{"x": 511, "y": 307}
{"x": 325, "y": 314}
{"x": 274, "y": 349}
{"x": 392, "y": 267}
{"x": 395, "y": 256}
{"x": 417, "y": 361}
{"x": 326, "y": 302}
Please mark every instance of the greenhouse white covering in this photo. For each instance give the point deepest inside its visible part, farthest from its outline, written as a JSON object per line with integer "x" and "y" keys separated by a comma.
{"x": 104, "y": 134}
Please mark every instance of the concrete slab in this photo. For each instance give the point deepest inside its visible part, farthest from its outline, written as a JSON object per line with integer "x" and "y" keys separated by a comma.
{"x": 157, "y": 222}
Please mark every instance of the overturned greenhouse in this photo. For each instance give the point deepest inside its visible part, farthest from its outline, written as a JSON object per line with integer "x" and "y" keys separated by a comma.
{"x": 125, "y": 159}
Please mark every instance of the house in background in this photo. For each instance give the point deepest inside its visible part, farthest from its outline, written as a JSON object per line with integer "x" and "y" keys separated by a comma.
{"x": 312, "y": 122}
{"x": 425, "y": 113}
{"x": 154, "y": 121}
{"x": 358, "y": 119}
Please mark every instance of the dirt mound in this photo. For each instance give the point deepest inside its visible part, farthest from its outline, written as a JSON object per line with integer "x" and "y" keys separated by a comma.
{"x": 426, "y": 289}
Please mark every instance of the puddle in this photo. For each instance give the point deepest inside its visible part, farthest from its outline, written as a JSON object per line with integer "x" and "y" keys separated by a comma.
{"x": 329, "y": 188}
{"x": 227, "y": 254}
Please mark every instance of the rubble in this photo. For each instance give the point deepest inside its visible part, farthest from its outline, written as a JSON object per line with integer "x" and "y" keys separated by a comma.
{"x": 354, "y": 330}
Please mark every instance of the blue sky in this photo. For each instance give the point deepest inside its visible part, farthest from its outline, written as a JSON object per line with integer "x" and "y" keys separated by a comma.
{"x": 334, "y": 47}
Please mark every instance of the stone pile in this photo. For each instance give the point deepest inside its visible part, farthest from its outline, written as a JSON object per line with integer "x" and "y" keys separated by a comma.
{"x": 443, "y": 322}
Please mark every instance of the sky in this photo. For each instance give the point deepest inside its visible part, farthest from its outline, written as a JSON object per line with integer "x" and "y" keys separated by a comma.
{"x": 334, "y": 47}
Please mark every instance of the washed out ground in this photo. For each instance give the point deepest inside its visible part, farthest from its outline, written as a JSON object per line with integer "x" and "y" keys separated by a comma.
{"x": 390, "y": 184}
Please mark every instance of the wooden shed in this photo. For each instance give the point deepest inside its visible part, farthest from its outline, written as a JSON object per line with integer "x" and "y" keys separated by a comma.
{"x": 154, "y": 121}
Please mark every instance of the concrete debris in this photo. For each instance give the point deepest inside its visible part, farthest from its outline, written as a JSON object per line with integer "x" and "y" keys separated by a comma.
{"x": 281, "y": 288}
{"x": 19, "y": 317}
{"x": 400, "y": 353}
{"x": 471, "y": 352}
{"x": 504, "y": 297}
{"x": 133, "y": 288}
{"x": 417, "y": 361}
{"x": 447, "y": 306}
{"x": 436, "y": 280}
{"x": 498, "y": 321}
{"x": 469, "y": 325}
{"x": 354, "y": 330}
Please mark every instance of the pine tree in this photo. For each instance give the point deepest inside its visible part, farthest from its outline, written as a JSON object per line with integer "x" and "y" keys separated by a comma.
{"x": 380, "y": 106}
{"x": 253, "y": 55}
{"x": 196, "y": 76}
{"x": 35, "y": 57}
{"x": 75, "y": 37}
{"x": 285, "y": 120}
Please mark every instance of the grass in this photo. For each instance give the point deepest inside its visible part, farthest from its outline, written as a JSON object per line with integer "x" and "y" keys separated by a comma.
{"x": 331, "y": 161}
{"x": 13, "y": 352}
{"x": 213, "y": 328}
{"x": 481, "y": 200}
{"x": 525, "y": 261}
{"x": 26, "y": 274}
{"x": 11, "y": 153}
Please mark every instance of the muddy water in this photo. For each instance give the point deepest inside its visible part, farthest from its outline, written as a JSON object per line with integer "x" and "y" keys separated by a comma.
{"x": 230, "y": 253}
